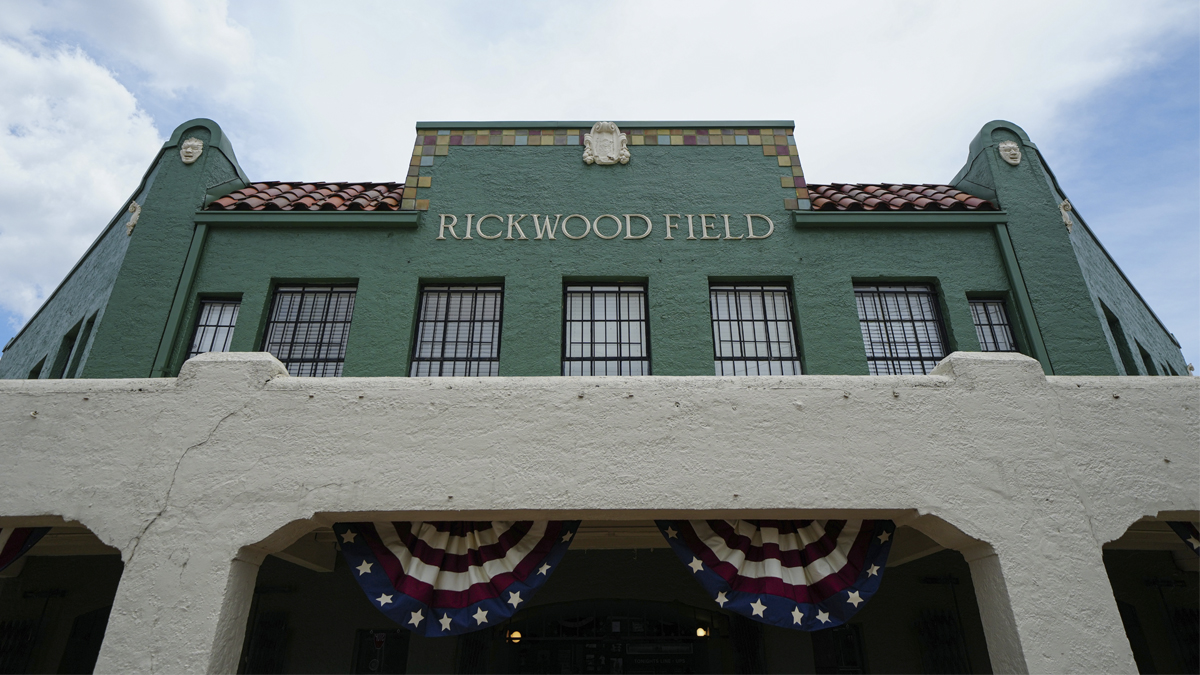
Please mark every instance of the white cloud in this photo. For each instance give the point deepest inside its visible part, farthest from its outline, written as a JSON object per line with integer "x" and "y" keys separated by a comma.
{"x": 74, "y": 145}
{"x": 168, "y": 47}
{"x": 308, "y": 90}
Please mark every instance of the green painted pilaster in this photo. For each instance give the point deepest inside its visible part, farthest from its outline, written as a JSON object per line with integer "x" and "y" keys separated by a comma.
{"x": 1058, "y": 294}
{"x": 127, "y": 342}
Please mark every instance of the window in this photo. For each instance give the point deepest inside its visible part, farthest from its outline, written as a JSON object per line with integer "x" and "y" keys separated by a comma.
{"x": 901, "y": 328}
{"x": 1146, "y": 360}
{"x": 753, "y": 332}
{"x": 214, "y": 326}
{"x": 605, "y": 330}
{"x": 80, "y": 345}
{"x": 308, "y": 328}
{"x": 458, "y": 332}
{"x": 58, "y": 369}
{"x": 991, "y": 326}
{"x": 1118, "y": 335}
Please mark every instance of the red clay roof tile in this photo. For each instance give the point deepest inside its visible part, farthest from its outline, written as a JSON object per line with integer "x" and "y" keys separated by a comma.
{"x": 893, "y": 197}
{"x": 285, "y": 196}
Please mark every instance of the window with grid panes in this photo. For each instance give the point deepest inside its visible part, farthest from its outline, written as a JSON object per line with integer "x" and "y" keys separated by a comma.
{"x": 214, "y": 326}
{"x": 992, "y": 327}
{"x": 458, "y": 332}
{"x": 308, "y": 328}
{"x": 753, "y": 330}
{"x": 605, "y": 331}
{"x": 901, "y": 328}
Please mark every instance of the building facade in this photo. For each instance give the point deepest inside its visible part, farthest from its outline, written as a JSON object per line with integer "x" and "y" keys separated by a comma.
{"x": 235, "y": 367}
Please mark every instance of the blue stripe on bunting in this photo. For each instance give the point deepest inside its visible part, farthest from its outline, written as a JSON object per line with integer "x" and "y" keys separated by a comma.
{"x": 785, "y": 612}
{"x": 418, "y": 617}
{"x": 11, "y": 554}
{"x": 1188, "y": 532}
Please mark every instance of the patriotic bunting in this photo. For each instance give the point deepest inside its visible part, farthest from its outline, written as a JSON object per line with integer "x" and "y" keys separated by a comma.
{"x": 449, "y": 578}
{"x": 15, "y": 541}
{"x": 800, "y": 574}
{"x": 1187, "y": 532}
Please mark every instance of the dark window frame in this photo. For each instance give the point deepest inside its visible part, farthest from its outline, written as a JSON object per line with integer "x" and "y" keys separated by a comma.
{"x": 190, "y": 345}
{"x": 305, "y": 289}
{"x": 415, "y": 359}
{"x": 782, "y": 289}
{"x": 893, "y": 361}
{"x": 620, "y": 359}
{"x": 991, "y": 326}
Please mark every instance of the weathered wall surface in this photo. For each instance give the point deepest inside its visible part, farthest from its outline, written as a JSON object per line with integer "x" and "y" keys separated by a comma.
{"x": 1064, "y": 267}
{"x": 142, "y": 295}
{"x": 83, "y": 294}
{"x": 1107, "y": 286}
{"x": 195, "y": 478}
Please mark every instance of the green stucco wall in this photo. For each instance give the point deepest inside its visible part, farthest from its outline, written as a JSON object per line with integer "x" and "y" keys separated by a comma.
{"x": 390, "y": 261}
{"x": 150, "y": 273}
{"x": 390, "y": 265}
{"x": 1067, "y": 273}
{"x": 82, "y": 295}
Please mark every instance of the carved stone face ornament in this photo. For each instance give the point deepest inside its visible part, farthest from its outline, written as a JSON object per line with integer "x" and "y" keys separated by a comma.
{"x": 189, "y": 150}
{"x": 1010, "y": 152}
{"x": 605, "y": 145}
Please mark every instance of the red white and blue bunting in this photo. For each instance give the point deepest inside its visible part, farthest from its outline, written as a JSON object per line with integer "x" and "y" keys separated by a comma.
{"x": 800, "y": 574}
{"x": 16, "y": 541}
{"x": 449, "y": 578}
{"x": 1188, "y": 532}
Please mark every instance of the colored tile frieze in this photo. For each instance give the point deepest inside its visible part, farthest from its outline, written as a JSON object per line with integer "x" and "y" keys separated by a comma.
{"x": 777, "y": 143}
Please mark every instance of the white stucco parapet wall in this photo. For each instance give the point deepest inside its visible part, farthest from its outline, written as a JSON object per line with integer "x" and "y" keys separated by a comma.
{"x": 195, "y": 479}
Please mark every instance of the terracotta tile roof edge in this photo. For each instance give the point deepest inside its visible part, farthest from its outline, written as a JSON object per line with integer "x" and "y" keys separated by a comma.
{"x": 893, "y": 197}
{"x": 312, "y": 196}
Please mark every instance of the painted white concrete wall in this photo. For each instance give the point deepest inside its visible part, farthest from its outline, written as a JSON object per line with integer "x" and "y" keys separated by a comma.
{"x": 195, "y": 479}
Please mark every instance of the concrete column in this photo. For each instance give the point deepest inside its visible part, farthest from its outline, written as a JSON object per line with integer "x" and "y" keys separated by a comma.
{"x": 1058, "y": 614}
{"x": 179, "y": 608}
{"x": 995, "y": 611}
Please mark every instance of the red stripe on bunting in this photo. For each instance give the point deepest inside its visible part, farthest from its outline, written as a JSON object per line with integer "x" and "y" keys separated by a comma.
{"x": 771, "y": 551}
{"x": 461, "y": 562}
{"x": 816, "y": 592}
{"x": 428, "y": 594}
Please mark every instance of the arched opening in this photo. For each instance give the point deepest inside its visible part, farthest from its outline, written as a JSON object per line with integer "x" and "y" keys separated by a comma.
{"x": 1155, "y": 577}
{"x": 55, "y": 597}
{"x": 620, "y": 601}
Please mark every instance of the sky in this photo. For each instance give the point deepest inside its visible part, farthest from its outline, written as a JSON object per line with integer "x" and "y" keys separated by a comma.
{"x": 894, "y": 92}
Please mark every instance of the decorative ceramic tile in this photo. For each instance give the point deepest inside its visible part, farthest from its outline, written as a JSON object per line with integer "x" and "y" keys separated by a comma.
{"x": 778, "y": 143}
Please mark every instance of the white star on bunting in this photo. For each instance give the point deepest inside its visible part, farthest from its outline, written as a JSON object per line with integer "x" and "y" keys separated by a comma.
{"x": 364, "y": 568}
{"x": 696, "y": 565}
{"x": 417, "y": 617}
{"x": 796, "y": 615}
{"x": 348, "y": 537}
{"x": 721, "y": 599}
{"x": 514, "y": 599}
{"x": 384, "y": 599}
{"x": 758, "y": 607}
{"x": 567, "y": 537}
{"x": 854, "y": 598}
{"x": 884, "y": 537}
{"x": 480, "y": 616}
{"x": 1194, "y": 542}
{"x": 873, "y": 570}
{"x": 445, "y": 621}
{"x": 544, "y": 568}
{"x": 823, "y": 617}
{"x": 671, "y": 532}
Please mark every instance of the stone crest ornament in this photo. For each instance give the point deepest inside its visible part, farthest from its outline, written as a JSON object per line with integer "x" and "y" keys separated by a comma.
{"x": 1065, "y": 208}
{"x": 189, "y": 150}
{"x": 605, "y": 145}
{"x": 1010, "y": 152}
{"x": 136, "y": 210}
